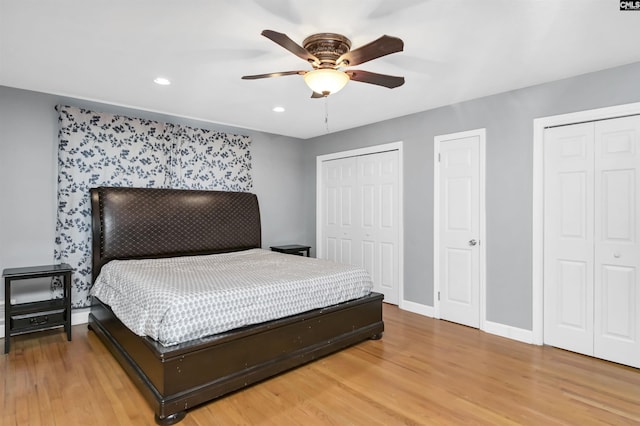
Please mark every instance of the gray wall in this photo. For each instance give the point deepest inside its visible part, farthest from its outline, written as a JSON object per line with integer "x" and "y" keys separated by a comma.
{"x": 508, "y": 118}
{"x": 284, "y": 177}
{"x": 28, "y": 167}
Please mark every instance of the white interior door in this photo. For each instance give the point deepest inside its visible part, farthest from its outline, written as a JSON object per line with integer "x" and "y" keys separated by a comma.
{"x": 459, "y": 233}
{"x": 617, "y": 236}
{"x": 591, "y": 239}
{"x": 568, "y": 238}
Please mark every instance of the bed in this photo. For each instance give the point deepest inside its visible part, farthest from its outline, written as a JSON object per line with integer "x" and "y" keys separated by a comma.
{"x": 141, "y": 223}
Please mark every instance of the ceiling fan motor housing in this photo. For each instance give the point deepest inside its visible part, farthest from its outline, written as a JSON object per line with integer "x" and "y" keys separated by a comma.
{"x": 327, "y": 47}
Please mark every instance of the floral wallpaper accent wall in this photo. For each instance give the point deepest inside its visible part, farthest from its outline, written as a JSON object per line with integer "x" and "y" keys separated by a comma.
{"x": 99, "y": 149}
{"x": 204, "y": 159}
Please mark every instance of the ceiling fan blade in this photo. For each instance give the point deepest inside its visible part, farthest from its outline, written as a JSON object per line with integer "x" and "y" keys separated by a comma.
{"x": 385, "y": 80}
{"x": 385, "y": 45}
{"x": 273, "y": 74}
{"x": 293, "y": 47}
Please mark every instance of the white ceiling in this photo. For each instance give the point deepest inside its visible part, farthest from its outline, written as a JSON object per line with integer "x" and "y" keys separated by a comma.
{"x": 455, "y": 50}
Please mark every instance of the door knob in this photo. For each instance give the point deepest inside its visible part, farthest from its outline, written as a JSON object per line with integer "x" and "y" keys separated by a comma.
{"x": 472, "y": 242}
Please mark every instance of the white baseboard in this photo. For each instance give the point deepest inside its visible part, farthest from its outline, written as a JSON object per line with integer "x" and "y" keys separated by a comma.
{"x": 513, "y": 333}
{"x": 78, "y": 316}
{"x": 417, "y": 308}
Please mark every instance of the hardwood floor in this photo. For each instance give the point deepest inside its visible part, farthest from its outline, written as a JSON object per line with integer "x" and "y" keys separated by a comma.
{"x": 422, "y": 372}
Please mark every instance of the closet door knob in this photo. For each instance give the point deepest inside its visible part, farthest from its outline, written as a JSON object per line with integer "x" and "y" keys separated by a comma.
{"x": 472, "y": 242}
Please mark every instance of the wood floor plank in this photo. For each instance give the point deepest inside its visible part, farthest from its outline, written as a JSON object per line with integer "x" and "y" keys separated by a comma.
{"x": 422, "y": 372}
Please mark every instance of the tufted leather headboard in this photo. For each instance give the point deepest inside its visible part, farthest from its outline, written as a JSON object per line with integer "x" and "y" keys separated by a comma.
{"x": 132, "y": 223}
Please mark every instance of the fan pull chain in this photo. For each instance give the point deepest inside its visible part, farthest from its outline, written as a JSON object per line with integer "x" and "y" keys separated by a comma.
{"x": 326, "y": 113}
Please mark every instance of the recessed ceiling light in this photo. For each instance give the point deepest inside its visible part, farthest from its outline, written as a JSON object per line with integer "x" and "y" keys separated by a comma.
{"x": 278, "y": 109}
{"x": 162, "y": 81}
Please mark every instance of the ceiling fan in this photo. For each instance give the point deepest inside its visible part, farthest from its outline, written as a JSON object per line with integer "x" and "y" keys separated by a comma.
{"x": 328, "y": 53}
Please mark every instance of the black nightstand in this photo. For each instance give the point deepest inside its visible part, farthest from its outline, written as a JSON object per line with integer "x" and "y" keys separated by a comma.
{"x": 35, "y": 316}
{"x": 292, "y": 249}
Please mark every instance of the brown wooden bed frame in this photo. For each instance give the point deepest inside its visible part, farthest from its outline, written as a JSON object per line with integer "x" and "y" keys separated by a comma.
{"x": 146, "y": 223}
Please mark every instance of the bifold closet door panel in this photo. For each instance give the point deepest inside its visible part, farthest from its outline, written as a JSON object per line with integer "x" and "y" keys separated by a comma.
{"x": 378, "y": 177}
{"x": 617, "y": 240}
{"x": 569, "y": 237}
{"x": 340, "y": 228}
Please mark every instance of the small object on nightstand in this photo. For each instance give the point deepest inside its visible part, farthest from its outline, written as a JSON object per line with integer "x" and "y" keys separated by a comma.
{"x": 292, "y": 249}
{"x": 35, "y": 316}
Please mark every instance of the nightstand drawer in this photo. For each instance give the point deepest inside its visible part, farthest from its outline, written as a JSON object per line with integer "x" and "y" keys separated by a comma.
{"x": 37, "y": 319}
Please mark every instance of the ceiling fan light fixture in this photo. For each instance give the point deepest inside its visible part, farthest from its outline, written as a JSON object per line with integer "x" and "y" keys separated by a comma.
{"x": 326, "y": 81}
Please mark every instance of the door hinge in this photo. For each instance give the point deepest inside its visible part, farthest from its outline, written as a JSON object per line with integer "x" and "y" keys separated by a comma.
{"x": 438, "y": 296}
{"x": 438, "y": 157}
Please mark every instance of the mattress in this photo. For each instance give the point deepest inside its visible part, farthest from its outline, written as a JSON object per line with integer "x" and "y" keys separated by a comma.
{"x": 174, "y": 300}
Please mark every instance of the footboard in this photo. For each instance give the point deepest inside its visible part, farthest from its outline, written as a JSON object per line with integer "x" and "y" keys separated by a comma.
{"x": 182, "y": 376}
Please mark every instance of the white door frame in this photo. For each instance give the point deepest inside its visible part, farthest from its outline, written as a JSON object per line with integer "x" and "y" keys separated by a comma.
{"x": 392, "y": 146}
{"x": 482, "y": 134}
{"x": 539, "y": 124}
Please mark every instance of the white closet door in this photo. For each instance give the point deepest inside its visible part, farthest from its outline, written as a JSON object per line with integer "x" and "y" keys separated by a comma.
{"x": 617, "y": 237}
{"x": 361, "y": 220}
{"x": 568, "y": 237}
{"x": 592, "y": 239}
{"x": 340, "y": 218}
{"x": 379, "y": 221}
